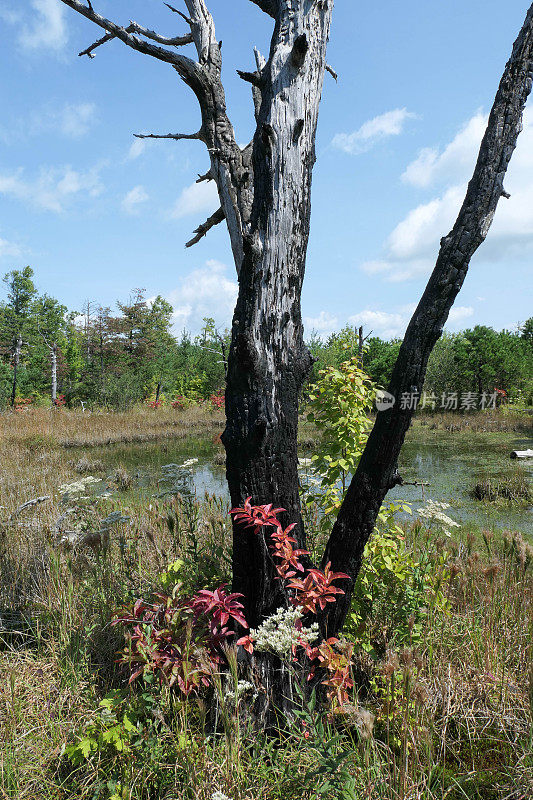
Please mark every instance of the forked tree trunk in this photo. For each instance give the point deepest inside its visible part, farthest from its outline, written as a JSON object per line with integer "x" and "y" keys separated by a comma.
{"x": 264, "y": 192}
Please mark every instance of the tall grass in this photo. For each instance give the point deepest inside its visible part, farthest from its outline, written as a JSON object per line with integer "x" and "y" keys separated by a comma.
{"x": 449, "y": 715}
{"x": 43, "y": 427}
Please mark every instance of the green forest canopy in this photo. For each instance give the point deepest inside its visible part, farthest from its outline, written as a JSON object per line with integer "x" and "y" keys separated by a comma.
{"x": 119, "y": 357}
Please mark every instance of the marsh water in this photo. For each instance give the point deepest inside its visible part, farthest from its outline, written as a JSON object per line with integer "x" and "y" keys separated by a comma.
{"x": 443, "y": 467}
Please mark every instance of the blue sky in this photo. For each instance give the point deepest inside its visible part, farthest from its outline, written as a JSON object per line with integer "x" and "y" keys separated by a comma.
{"x": 97, "y": 213}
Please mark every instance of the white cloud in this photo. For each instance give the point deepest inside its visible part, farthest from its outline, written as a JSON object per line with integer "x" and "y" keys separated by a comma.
{"x": 9, "y": 249}
{"x": 75, "y": 120}
{"x": 196, "y": 198}
{"x": 72, "y": 120}
{"x": 459, "y": 314}
{"x": 45, "y": 26}
{"x": 324, "y": 324}
{"x": 411, "y": 248}
{"x": 415, "y": 236}
{"x": 381, "y": 323}
{"x": 53, "y": 189}
{"x": 137, "y": 148}
{"x": 392, "y": 324}
{"x": 389, "y": 124}
{"x": 134, "y": 199}
{"x": 205, "y": 292}
{"x": 454, "y": 163}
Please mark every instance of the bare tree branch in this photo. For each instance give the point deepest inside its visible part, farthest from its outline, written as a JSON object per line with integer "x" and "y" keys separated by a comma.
{"x": 185, "y": 65}
{"x": 203, "y": 229}
{"x": 207, "y": 176}
{"x": 89, "y": 50}
{"x": 176, "y": 136}
{"x": 28, "y": 504}
{"x": 133, "y": 27}
{"x": 202, "y": 28}
{"x": 177, "y": 11}
{"x": 332, "y": 72}
{"x": 270, "y": 7}
{"x": 257, "y": 93}
{"x": 234, "y": 181}
{"x": 250, "y": 77}
{"x": 170, "y": 41}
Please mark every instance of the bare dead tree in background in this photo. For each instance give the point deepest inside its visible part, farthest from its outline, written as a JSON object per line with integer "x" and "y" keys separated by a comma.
{"x": 16, "y": 352}
{"x": 264, "y": 192}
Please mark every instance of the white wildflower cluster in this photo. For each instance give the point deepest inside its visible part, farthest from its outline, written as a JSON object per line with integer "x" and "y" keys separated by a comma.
{"x": 277, "y": 634}
{"x": 243, "y": 687}
{"x": 77, "y": 488}
{"x": 220, "y": 796}
{"x": 433, "y": 511}
{"x": 189, "y": 463}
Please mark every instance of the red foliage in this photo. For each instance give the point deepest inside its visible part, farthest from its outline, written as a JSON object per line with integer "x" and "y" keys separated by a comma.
{"x": 218, "y": 400}
{"x": 180, "y": 640}
{"x": 311, "y": 594}
{"x": 179, "y": 403}
{"x": 316, "y": 589}
{"x": 22, "y": 402}
{"x": 60, "y": 401}
{"x": 336, "y": 658}
{"x": 220, "y": 605}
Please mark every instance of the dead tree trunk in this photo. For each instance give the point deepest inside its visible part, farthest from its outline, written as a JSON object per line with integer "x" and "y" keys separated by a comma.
{"x": 17, "y": 350}
{"x": 377, "y": 469}
{"x": 53, "y": 360}
{"x": 268, "y": 360}
{"x": 264, "y": 192}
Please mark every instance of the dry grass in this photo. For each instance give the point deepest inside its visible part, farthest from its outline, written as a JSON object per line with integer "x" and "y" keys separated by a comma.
{"x": 455, "y": 721}
{"x": 508, "y": 488}
{"x": 497, "y": 421}
{"x": 38, "y": 712}
{"x": 40, "y": 427}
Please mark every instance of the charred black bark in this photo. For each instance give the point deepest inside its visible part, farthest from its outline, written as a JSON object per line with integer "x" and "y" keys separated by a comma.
{"x": 376, "y": 472}
{"x": 268, "y": 360}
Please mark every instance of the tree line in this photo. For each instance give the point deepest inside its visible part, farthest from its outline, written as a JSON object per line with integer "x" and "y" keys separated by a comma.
{"x": 98, "y": 356}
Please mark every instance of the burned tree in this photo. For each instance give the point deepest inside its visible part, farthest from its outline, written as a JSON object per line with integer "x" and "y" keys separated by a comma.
{"x": 264, "y": 190}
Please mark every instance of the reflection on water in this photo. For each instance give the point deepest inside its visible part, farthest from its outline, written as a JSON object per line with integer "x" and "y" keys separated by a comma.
{"x": 447, "y": 468}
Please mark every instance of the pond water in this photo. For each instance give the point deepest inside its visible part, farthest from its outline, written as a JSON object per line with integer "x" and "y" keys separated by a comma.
{"x": 444, "y": 466}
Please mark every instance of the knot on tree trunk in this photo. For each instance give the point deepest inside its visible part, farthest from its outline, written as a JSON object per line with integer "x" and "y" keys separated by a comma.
{"x": 299, "y": 51}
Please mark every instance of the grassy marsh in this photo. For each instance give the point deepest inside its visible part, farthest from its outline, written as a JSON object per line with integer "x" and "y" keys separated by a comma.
{"x": 453, "y": 708}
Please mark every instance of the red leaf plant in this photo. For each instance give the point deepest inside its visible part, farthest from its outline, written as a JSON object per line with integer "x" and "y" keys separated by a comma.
{"x": 218, "y": 400}
{"x": 310, "y": 593}
{"x": 180, "y": 640}
{"x": 336, "y": 658}
{"x": 22, "y": 403}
